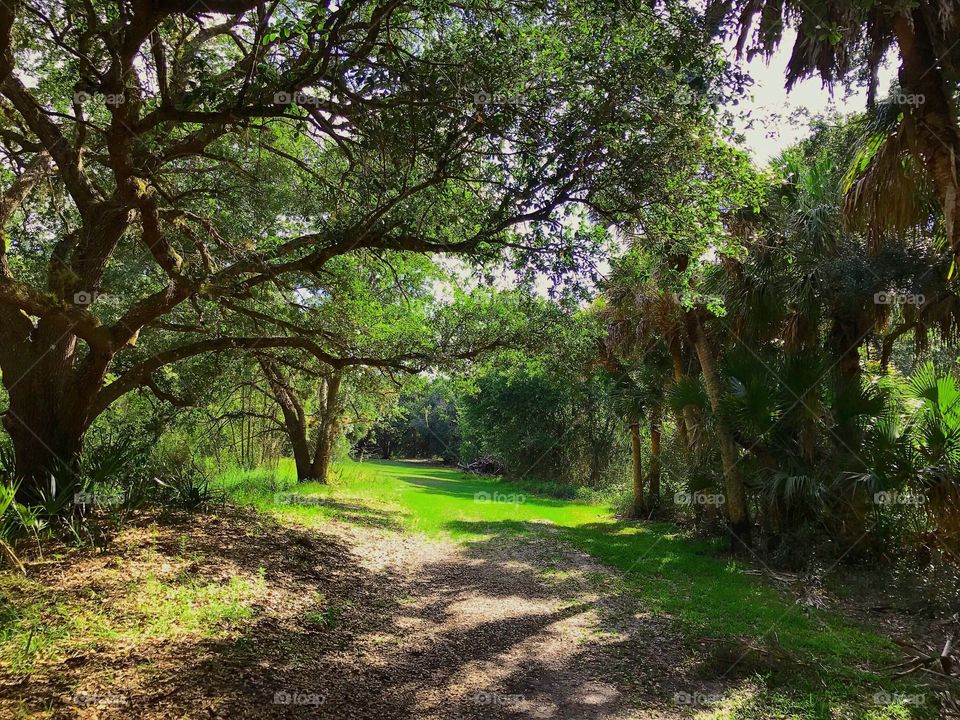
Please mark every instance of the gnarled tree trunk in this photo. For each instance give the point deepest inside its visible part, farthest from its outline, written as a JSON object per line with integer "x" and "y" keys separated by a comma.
{"x": 51, "y": 407}
{"x": 312, "y": 466}
{"x": 294, "y": 417}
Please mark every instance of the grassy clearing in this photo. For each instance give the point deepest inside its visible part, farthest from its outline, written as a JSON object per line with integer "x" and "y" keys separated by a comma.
{"x": 806, "y": 663}
{"x": 416, "y": 497}
{"x": 41, "y": 625}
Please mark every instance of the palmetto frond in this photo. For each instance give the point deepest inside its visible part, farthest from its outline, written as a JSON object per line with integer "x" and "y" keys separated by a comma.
{"x": 937, "y": 423}
{"x": 637, "y": 315}
{"x": 855, "y": 406}
{"x": 638, "y": 388}
{"x": 886, "y": 187}
{"x": 753, "y": 399}
{"x": 687, "y": 392}
{"x": 789, "y": 490}
{"x": 829, "y": 34}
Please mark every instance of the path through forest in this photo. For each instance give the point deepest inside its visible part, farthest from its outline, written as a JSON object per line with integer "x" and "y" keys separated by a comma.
{"x": 331, "y": 607}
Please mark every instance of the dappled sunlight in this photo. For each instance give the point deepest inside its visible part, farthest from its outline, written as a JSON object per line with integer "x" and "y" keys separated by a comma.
{"x": 383, "y": 360}
{"x": 448, "y": 609}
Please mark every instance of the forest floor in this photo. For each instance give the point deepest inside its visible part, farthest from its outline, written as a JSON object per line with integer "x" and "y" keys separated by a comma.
{"x": 405, "y": 590}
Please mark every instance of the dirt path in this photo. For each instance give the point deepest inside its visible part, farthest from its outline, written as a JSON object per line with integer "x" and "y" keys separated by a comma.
{"x": 365, "y": 622}
{"x": 515, "y": 627}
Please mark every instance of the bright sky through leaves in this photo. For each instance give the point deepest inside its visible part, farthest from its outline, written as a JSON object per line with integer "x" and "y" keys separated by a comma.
{"x": 779, "y": 117}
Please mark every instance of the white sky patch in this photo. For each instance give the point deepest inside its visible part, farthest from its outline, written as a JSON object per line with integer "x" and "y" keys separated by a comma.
{"x": 459, "y": 278}
{"x": 779, "y": 119}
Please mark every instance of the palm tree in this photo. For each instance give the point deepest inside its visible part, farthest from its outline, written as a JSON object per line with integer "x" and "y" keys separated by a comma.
{"x": 888, "y": 195}
{"x": 735, "y": 501}
{"x": 838, "y": 39}
{"x": 935, "y": 433}
{"x": 638, "y": 392}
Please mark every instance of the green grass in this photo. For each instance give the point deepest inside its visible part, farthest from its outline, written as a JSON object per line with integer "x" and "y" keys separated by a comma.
{"x": 414, "y": 496}
{"x": 40, "y": 625}
{"x": 816, "y": 665}
{"x": 169, "y": 609}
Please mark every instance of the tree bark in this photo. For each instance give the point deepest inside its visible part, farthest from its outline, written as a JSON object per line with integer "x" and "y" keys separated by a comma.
{"x": 846, "y": 338}
{"x": 301, "y": 456}
{"x": 294, "y": 417}
{"x": 738, "y": 517}
{"x": 886, "y": 348}
{"x": 51, "y": 408}
{"x": 46, "y": 448}
{"x": 653, "y": 474}
{"x": 686, "y": 423}
{"x": 329, "y": 427}
{"x": 636, "y": 450}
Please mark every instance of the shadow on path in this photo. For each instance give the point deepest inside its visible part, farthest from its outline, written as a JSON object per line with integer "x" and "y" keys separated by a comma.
{"x": 359, "y": 622}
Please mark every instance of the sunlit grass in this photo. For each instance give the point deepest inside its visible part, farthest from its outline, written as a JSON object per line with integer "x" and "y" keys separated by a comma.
{"x": 40, "y": 625}
{"x": 169, "y": 609}
{"x": 416, "y": 496}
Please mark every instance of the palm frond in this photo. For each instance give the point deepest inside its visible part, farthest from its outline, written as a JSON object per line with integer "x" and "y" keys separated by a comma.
{"x": 688, "y": 392}
{"x": 886, "y": 188}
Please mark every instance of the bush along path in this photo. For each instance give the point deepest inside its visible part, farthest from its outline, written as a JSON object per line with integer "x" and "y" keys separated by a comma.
{"x": 405, "y": 590}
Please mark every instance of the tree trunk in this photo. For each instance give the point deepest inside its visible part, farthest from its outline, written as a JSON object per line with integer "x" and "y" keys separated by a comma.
{"x": 639, "y": 507}
{"x": 50, "y": 409}
{"x": 938, "y": 135}
{"x": 685, "y": 422}
{"x": 889, "y": 340}
{"x": 320, "y": 469}
{"x": 301, "y": 453}
{"x": 294, "y": 417}
{"x": 329, "y": 427}
{"x": 735, "y": 502}
{"x": 653, "y": 473}
{"x": 46, "y": 447}
{"x": 846, "y": 337}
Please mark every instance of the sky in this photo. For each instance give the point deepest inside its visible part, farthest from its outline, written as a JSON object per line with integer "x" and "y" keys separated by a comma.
{"x": 771, "y": 106}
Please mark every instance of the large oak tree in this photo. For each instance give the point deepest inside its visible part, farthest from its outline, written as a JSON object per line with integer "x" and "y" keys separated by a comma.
{"x": 169, "y": 164}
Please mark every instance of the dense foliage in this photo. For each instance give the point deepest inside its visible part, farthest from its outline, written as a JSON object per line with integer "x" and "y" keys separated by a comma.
{"x": 512, "y": 236}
